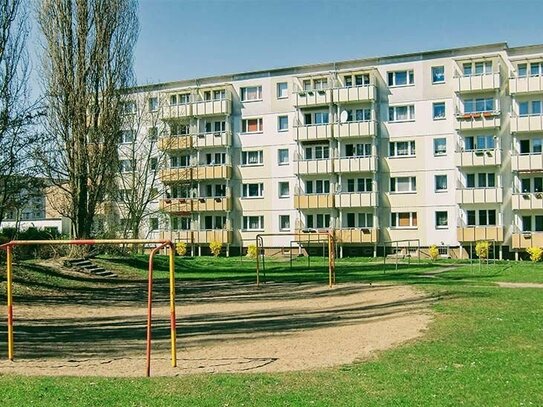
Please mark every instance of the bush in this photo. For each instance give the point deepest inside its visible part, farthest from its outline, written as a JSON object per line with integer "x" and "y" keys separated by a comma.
{"x": 482, "y": 249}
{"x": 536, "y": 253}
{"x": 251, "y": 251}
{"x": 34, "y": 251}
{"x": 215, "y": 248}
{"x": 181, "y": 248}
{"x": 433, "y": 252}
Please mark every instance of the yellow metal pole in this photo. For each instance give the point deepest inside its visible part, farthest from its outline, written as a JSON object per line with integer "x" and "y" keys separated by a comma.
{"x": 172, "y": 306}
{"x": 257, "y": 262}
{"x": 10, "y": 301}
{"x": 329, "y": 261}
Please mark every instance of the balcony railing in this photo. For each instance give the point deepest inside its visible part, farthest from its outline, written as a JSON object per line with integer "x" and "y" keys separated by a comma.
{"x": 467, "y": 234}
{"x": 212, "y": 139}
{"x": 200, "y": 107}
{"x": 526, "y": 84}
{"x": 477, "y": 83}
{"x": 527, "y": 201}
{"x": 367, "y": 128}
{"x": 314, "y": 132}
{"x": 196, "y": 173}
{"x": 203, "y": 204}
{"x": 355, "y": 164}
{"x": 313, "y": 201}
{"x": 172, "y": 143}
{"x": 356, "y": 235}
{"x": 479, "y": 195}
{"x": 527, "y": 162}
{"x": 524, "y": 240}
{"x": 306, "y": 167}
{"x": 523, "y": 124}
{"x": 316, "y": 97}
{"x": 478, "y": 158}
{"x": 477, "y": 121}
{"x": 223, "y": 236}
{"x": 356, "y": 200}
{"x": 354, "y": 94}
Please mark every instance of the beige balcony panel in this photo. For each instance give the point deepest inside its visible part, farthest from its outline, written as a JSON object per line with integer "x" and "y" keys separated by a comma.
{"x": 315, "y": 132}
{"x": 524, "y": 124}
{"x": 308, "y": 238}
{"x": 354, "y": 94}
{"x": 477, "y": 83}
{"x": 222, "y": 204}
{"x": 314, "y": 167}
{"x": 175, "y": 174}
{"x": 479, "y": 195}
{"x": 177, "y": 235}
{"x": 355, "y": 164}
{"x": 218, "y": 139}
{"x": 527, "y": 201}
{"x": 526, "y": 84}
{"x": 175, "y": 205}
{"x": 216, "y": 235}
{"x": 175, "y": 111}
{"x": 356, "y": 200}
{"x": 221, "y": 107}
{"x": 358, "y": 235}
{"x": 477, "y": 233}
{"x": 479, "y": 122}
{"x": 527, "y": 162}
{"x": 172, "y": 143}
{"x": 212, "y": 172}
{"x": 478, "y": 158}
{"x": 313, "y": 201}
{"x": 314, "y": 98}
{"x": 527, "y": 239}
{"x": 357, "y": 129}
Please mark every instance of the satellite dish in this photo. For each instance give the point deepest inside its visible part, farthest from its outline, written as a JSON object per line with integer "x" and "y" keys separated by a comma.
{"x": 343, "y": 116}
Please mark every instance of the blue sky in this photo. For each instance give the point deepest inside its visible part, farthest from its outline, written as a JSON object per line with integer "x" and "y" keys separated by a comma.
{"x": 183, "y": 39}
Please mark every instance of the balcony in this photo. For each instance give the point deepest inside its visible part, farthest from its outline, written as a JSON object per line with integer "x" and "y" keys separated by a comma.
{"x": 306, "y": 167}
{"x": 478, "y": 158}
{"x": 357, "y": 235}
{"x": 525, "y": 240}
{"x": 177, "y": 235}
{"x": 478, "y": 121}
{"x": 177, "y": 111}
{"x": 213, "y": 139}
{"x": 477, "y": 233}
{"x": 354, "y": 94}
{"x": 477, "y": 83}
{"x": 355, "y": 164}
{"x": 479, "y": 196}
{"x": 310, "y": 98}
{"x": 356, "y": 200}
{"x": 175, "y": 174}
{"x": 357, "y": 129}
{"x": 307, "y": 236}
{"x": 526, "y": 84}
{"x": 527, "y": 162}
{"x": 314, "y": 201}
{"x": 218, "y": 204}
{"x": 524, "y": 124}
{"x": 527, "y": 201}
{"x": 171, "y": 143}
{"x": 314, "y": 132}
{"x": 212, "y": 235}
{"x": 217, "y": 107}
{"x": 220, "y": 171}
{"x": 175, "y": 205}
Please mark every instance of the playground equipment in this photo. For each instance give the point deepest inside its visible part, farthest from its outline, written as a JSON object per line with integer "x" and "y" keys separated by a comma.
{"x": 8, "y": 247}
{"x": 331, "y": 250}
{"x": 407, "y": 246}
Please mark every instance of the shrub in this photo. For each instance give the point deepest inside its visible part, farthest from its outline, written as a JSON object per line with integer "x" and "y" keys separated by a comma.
{"x": 181, "y": 248}
{"x": 215, "y": 248}
{"x": 536, "y": 253}
{"x": 433, "y": 252}
{"x": 482, "y": 249}
{"x": 251, "y": 251}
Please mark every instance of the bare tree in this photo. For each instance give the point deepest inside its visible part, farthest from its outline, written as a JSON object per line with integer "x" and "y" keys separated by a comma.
{"x": 16, "y": 113}
{"x": 87, "y": 65}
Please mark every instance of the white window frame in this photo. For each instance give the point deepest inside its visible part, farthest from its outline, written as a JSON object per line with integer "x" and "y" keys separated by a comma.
{"x": 246, "y": 190}
{"x": 281, "y": 219}
{"x": 444, "y": 114}
{"x": 248, "y": 158}
{"x": 437, "y": 151}
{"x": 245, "y": 125}
{"x": 434, "y": 68}
{"x": 446, "y": 224}
{"x": 441, "y": 190}
{"x": 393, "y": 113}
{"x": 279, "y": 152}
{"x": 395, "y": 220}
{"x": 411, "y": 149}
{"x": 257, "y": 89}
{"x": 410, "y": 183}
{"x": 280, "y": 186}
{"x": 247, "y": 221}
{"x": 280, "y": 90}
{"x": 409, "y": 76}
{"x": 127, "y": 136}
{"x": 279, "y": 123}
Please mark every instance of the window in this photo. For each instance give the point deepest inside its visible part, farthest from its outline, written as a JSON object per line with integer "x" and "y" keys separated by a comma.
{"x": 282, "y": 156}
{"x": 401, "y": 113}
{"x": 529, "y": 108}
{"x": 153, "y": 223}
{"x": 531, "y": 146}
{"x": 128, "y": 107}
{"x": 253, "y": 223}
{"x": 527, "y": 223}
{"x": 284, "y": 190}
{"x": 180, "y": 99}
{"x": 484, "y": 180}
{"x": 402, "y": 149}
{"x": 478, "y": 105}
{"x": 316, "y": 118}
{"x": 284, "y": 222}
{"x": 251, "y": 93}
{"x": 536, "y": 68}
{"x": 532, "y": 184}
{"x": 126, "y": 136}
{"x": 215, "y": 158}
{"x": 439, "y": 110}
{"x": 440, "y": 146}
{"x": 438, "y": 74}
{"x": 251, "y": 125}
{"x": 219, "y": 94}
{"x": 252, "y": 190}
{"x": 481, "y": 68}
{"x": 401, "y": 78}
{"x": 403, "y": 219}
{"x": 153, "y": 164}
{"x": 152, "y": 133}
{"x": 483, "y": 142}
{"x": 403, "y": 184}
{"x": 522, "y": 70}
{"x": 441, "y": 219}
{"x": 317, "y": 186}
{"x": 317, "y": 152}
{"x": 363, "y": 220}
{"x": 153, "y": 104}
{"x": 358, "y": 150}
{"x": 360, "y": 115}
{"x": 252, "y": 157}
{"x": 127, "y": 165}
{"x": 319, "y": 221}
{"x": 214, "y": 222}
{"x": 482, "y": 217}
{"x": 214, "y": 126}
{"x": 441, "y": 183}
{"x": 282, "y": 123}
{"x": 359, "y": 80}
{"x": 282, "y": 90}
{"x": 179, "y": 161}
{"x": 321, "y": 83}
{"x": 359, "y": 185}
{"x": 180, "y": 223}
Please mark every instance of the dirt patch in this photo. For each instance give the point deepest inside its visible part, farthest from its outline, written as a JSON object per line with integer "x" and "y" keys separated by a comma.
{"x": 519, "y": 285}
{"x": 223, "y": 327}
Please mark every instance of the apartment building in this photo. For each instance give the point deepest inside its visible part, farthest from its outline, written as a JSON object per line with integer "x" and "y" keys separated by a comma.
{"x": 439, "y": 147}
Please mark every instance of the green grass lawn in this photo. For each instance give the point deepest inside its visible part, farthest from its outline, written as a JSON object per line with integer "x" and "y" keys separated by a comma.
{"x": 484, "y": 348}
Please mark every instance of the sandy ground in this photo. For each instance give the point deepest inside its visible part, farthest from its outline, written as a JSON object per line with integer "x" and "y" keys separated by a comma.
{"x": 223, "y": 327}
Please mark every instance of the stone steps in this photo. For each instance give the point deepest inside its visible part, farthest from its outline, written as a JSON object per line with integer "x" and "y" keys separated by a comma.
{"x": 88, "y": 267}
